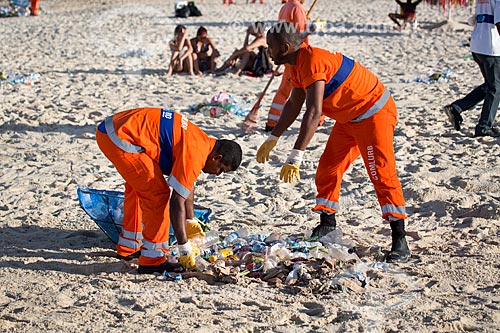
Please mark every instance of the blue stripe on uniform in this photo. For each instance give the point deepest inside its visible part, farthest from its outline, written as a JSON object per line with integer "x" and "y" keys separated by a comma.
{"x": 339, "y": 77}
{"x": 166, "y": 138}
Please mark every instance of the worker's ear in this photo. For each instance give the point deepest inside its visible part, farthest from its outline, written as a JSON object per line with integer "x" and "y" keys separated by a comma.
{"x": 286, "y": 48}
{"x": 215, "y": 156}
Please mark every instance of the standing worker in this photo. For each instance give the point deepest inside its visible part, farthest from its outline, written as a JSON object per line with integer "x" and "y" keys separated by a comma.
{"x": 365, "y": 115}
{"x": 293, "y": 11}
{"x": 144, "y": 144}
{"x": 485, "y": 48}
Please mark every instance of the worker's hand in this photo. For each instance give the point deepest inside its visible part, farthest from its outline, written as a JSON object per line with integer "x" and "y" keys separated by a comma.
{"x": 193, "y": 229}
{"x": 187, "y": 253}
{"x": 265, "y": 149}
{"x": 290, "y": 169}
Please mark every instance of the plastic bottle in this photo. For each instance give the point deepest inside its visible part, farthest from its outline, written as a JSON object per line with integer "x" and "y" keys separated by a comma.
{"x": 201, "y": 264}
{"x": 232, "y": 237}
{"x": 211, "y": 238}
{"x": 333, "y": 237}
{"x": 259, "y": 247}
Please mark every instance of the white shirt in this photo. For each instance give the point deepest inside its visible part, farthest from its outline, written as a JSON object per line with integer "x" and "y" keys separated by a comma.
{"x": 485, "y": 38}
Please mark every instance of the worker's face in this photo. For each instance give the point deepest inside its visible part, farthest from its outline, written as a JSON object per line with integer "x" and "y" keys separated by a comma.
{"x": 276, "y": 50}
{"x": 215, "y": 166}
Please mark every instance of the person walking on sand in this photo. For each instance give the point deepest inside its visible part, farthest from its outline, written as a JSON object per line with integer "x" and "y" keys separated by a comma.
{"x": 144, "y": 144}
{"x": 365, "y": 114}
{"x": 485, "y": 48}
{"x": 407, "y": 13}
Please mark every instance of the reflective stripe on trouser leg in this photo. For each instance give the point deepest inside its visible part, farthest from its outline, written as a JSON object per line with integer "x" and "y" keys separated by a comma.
{"x": 375, "y": 139}
{"x": 340, "y": 151}
{"x": 131, "y": 224}
{"x": 279, "y": 99}
{"x": 146, "y": 178}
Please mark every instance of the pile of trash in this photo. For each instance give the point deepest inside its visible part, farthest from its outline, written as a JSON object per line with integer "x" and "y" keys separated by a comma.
{"x": 221, "y": 104}
{"x": 433, "y": 77}
{"x": 328, "y": 264}
{"x": 15, "y": 78}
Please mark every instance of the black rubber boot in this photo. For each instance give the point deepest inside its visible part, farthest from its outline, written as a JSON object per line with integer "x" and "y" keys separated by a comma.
{"x": 130, "y": 256}
{"x": 326, "y": 225}
{"x": 166, "y": 266}
{"x": 399, "y": 251}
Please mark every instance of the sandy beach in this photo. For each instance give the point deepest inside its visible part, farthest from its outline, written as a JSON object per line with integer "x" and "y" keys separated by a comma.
{"x": 57, "y": 269}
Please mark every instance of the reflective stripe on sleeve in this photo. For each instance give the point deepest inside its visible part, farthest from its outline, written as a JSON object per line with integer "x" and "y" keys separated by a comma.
{"x": 178, "y": 187}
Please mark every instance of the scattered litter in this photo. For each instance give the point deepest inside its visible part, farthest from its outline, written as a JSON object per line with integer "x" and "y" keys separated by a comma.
{"x": 433, "y": 77}
{"x": 16, "y": 8}
{"x": 298, "y": 264}
{"x": 221, "y": 104}
{"x": 136, "y": 53}
{"x": 14, "y": 78}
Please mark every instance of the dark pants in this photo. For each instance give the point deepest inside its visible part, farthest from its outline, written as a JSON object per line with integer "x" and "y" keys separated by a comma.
{"x": 489, "y": 91}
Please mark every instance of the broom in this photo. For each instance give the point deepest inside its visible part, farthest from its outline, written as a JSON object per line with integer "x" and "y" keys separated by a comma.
{"x": 251, "y": 118}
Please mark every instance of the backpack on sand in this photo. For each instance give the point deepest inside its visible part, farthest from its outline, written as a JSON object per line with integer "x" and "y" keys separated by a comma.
{"x": 261, "y": 65}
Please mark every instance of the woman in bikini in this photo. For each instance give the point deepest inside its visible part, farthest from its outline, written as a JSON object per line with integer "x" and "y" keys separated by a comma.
{"x": 205, "y": 53}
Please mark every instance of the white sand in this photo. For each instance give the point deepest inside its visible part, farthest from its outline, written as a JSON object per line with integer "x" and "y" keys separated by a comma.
{"x": 57, "y": 272}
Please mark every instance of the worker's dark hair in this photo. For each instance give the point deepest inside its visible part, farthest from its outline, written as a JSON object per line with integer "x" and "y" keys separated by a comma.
{"x": 285, "y": 32}
{"x": 201, "y": 30}
{"x": 179, "y": 28}
{"x": 230, "y": 151}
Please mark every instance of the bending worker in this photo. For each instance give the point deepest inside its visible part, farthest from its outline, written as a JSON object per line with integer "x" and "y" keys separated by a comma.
{"x": 144, "y": 144}
{"x": 365, "y": 114}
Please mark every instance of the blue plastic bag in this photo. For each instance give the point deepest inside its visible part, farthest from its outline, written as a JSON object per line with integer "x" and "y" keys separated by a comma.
{"x": 105, "y": 208}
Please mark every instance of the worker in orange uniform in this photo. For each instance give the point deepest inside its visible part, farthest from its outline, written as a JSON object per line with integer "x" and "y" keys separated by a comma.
{"x": 144, "y": 144}
{"x": 35, "y": 7}
{"x": 365, "y": 114}
{"x": 293, "y": 11}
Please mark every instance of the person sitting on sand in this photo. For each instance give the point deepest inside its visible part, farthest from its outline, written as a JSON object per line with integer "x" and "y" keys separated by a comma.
{"x": 407, "y": 13}
{"x": 180, "y": 59}
{"x": 246, "y": 54}
{"x": 205, "y": 53}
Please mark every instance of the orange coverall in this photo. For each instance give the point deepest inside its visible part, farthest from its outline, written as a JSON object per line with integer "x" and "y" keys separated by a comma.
{"x": 292, "y": 12}
{"x": 144, "y": 144}
{"x": 365, "y": 115}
